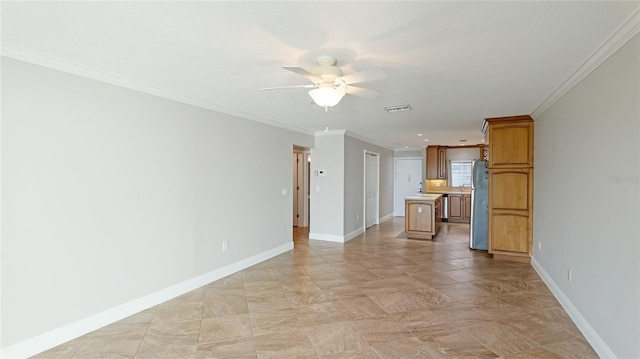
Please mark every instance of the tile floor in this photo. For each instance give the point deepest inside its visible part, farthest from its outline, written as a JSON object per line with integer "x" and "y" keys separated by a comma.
{"x": 379, "y": 295}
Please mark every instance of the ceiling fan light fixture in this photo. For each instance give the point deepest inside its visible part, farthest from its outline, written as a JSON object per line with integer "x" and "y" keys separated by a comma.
{"x": 326, "y": 96}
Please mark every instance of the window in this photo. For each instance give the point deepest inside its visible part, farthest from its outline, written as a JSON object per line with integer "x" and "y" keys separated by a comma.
{"x": 461, "y": 173}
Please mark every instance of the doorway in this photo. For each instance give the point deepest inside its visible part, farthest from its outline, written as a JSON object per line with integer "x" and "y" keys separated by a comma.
{"x": 300, "y": 188}
{"x": 371, "y": 188}
{"x": 407, "y": 181}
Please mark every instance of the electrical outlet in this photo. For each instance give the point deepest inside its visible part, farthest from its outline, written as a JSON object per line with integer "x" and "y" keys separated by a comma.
{"x": 539, "y": 245}
{"x": 569, "y": 275}
{"x": 225, "y": 246}
{"x": 357, "y": 216}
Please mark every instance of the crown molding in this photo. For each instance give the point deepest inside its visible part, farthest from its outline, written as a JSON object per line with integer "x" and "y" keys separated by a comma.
{"x": 330, "y": 132}
{"x": 627, "y": 30}
{"x": 56, "y": 63}
{"x": 354, "y": 136}
{"x": 410, "y": 149}
{"x": 368, "y": 140}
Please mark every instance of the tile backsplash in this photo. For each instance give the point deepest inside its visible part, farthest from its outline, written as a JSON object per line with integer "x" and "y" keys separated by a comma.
{"x": 442, "y": 186}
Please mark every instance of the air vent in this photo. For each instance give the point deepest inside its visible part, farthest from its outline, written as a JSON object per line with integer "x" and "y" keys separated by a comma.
{"x": 398, "y": 108}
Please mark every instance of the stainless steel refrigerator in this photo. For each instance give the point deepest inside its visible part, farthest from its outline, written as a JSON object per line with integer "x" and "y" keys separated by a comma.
{"x": 479, "y": 206}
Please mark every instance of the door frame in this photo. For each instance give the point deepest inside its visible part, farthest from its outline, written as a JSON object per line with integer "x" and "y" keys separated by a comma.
{"x": 303, "y": 220}
{"x": 377, "y": 204}
{"x": 395, "y": 169}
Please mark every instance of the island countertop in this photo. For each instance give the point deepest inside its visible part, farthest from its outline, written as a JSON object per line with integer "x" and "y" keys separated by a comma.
{"x": 423, "y": 197}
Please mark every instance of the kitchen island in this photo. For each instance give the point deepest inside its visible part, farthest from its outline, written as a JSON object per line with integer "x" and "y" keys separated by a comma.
{"x": 423, "y": 215}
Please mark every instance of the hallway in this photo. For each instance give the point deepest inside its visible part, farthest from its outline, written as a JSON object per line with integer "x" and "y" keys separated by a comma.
{"x": 379, "y": 295}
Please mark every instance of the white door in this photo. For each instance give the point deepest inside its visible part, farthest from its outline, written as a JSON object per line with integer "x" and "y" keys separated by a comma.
{"x": 408, "y": 181}
{"x": 371, "y": 174}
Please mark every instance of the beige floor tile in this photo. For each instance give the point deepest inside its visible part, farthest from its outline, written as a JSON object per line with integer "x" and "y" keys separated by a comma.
{"x": 359, "y": 307}
{"x": 179, "y": 311}
{"x": 274, "y": 321}
{"x": 170, "y": 336}
{"x": 576, "y": 348}
{"x": 115, "y": 340}
{"x": 428, "y": 297}
{"x": 459, "y": 292}
{"x": 320, "y": 313}
{"x": 380, "y": 330}
{"x": 543, "y": 327}
{"x": 538, "y": 353}
{"x": 406, "y": 348}
{"x": 292, "y": 344}
{"x": 306, "y": 296}
{"x": 380, "y": 295}
{"x": 344, "y": 292}
{"x": 334, "y": 338}
{"x": 499, "y": 339}
{"x": 224, "y": 328}
{"x": 396, "y": 302}
{"x": 241, "y": 348}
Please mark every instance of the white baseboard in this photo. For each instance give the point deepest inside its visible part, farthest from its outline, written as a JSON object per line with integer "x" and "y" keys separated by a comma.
{"x": 387, "y": 217}
{"x": 583, "y": 325}
{"x": 51, "y": 339}
{"x": 354, "y": 234}
{"x": 336, "y": 237}
{"x": 326, "y": 237}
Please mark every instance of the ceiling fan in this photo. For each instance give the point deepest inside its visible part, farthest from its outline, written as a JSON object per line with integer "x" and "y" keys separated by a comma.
{"x": 329, "y": 85}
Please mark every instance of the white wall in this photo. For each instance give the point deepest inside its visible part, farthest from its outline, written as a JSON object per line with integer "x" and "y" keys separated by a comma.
{"x": 327, "y": 192}
{"x": 109, "y": 194}
{"x": 587, "y": 202}
{"x": 354, "y": 182}
{"x": 334, "y": 207}
{"x": 408, "y": 153}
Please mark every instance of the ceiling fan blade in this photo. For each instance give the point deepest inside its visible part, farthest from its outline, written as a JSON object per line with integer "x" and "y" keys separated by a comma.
{"x": 289, "y": 87}
{"x": 301, "y": 71}
{"x": 363, "y": 76}
{"x": 362, "y": 92}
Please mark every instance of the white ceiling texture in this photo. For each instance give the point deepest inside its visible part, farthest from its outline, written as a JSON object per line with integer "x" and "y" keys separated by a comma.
{"x": 455, "y": 63}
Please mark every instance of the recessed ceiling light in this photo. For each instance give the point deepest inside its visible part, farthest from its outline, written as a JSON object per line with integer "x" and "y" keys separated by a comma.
{"x": 419, "y": 134}
{"x": 426, "y": 140}
{"x": 482, "y": 140}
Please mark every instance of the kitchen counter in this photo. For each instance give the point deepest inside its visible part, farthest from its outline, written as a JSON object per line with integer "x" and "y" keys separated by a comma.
{"x": 424, "y": 197}
{"x": 450, "y": 192}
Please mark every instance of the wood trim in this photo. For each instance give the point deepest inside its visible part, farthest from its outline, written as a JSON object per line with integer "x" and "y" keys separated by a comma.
{"x": 506, "y": 256}
{"x": 509, "y": 119}
{"x": 506, "y": 119}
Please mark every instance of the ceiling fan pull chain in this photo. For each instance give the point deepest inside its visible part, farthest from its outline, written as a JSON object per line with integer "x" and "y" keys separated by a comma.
{"x": 326, "y": 110}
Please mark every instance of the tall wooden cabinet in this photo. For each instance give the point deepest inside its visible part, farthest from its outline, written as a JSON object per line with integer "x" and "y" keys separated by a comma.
{"x": 510, "y": 201}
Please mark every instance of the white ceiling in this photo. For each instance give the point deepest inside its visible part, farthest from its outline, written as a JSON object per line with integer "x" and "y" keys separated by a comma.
{"x": 455, "y": 63}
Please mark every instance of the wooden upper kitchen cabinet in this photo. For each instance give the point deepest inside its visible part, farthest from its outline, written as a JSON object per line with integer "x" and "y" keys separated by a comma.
{"x": 510, "y": 199}
{"x": 436, "y": 162}
{"x": 511, "y": 142}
